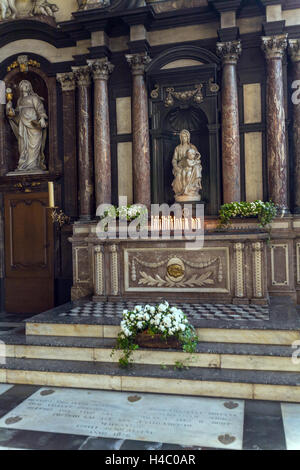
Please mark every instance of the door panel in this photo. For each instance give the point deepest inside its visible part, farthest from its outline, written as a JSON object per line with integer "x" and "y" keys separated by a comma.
{"x": 28, "y": 253}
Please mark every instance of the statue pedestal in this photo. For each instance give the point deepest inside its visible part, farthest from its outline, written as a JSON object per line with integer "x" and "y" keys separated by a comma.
{"x": 187, "y": 199}
{"x": 24, "y": 172}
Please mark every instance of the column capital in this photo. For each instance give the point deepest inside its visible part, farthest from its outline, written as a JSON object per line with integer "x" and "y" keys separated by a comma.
{"x": 229, "y": 51}
{"x": 274, "y": 46}
{"x": 294, "y": 50}
{"x": 101, "y": 68}
{"x": 138, "y": 62}
{"x": 67, "y": 81}
{"x": 82, "y": 75}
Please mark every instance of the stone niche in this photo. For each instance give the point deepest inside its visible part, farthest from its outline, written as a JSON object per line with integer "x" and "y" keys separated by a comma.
{"x": 230, "y": 268}
{"x": 45, "y": 87}
{"x": 184, "y": 95}
{"x": 40, "y": 88}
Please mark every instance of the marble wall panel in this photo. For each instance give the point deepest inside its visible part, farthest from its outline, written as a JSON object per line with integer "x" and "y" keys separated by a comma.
{"x": 280, "y": 264}
{"x": 253, "y": 166}
{"x": 292, "y": 17}
{"x": 123, "y": 106}
{"x": 228, "y": 19}
{"x": 125, "y": 176}
{"x": 250, "y": 25}
{"x": 183, "y": 34}
{"x": 252, "y": 103}
{"x": 274, "y": 13}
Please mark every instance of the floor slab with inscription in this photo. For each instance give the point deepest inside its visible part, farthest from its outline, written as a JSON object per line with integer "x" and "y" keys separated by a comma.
{"x": 291, "y": 423}
{"x": 4, "y": 388}
{"x": 141, "y": 417}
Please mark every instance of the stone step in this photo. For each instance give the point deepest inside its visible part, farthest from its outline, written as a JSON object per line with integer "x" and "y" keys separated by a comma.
{"x": 257, "y": 385}
{"x": 209, "y": 355}
{"x": 281, "y": 337}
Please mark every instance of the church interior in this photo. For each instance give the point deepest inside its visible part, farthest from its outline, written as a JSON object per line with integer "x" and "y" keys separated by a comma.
{"x": 152, "y": 102}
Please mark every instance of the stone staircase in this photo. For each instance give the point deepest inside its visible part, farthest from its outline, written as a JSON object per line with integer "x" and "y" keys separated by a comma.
{"x": 246, "y": 359}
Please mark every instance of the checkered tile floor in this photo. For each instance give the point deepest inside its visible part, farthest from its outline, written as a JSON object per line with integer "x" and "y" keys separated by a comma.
{"x": 194, "y": 311}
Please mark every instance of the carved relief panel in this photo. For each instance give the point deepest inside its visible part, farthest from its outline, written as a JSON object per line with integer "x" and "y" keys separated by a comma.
{"x": 167, "y": 270}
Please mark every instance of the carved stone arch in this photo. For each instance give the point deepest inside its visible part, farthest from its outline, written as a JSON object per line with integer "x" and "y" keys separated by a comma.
{"x": 175, "y": 101}
{"x": 45, "y": 64}
{"x": 44, "y": 86}
{"x": 194, "y": 53}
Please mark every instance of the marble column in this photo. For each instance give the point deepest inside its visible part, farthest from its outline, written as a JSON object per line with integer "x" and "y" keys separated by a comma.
{"x": 101, "y": 69}
{"x": 274, "y": 48}
{"x": 85, "y": 147}
{"x": 229, "y": 53}
{"x": 294, "y": 50}
{"x": 3, "y": 141}
{"x": 140, "y": 130}
{"x": 68, "y": 86}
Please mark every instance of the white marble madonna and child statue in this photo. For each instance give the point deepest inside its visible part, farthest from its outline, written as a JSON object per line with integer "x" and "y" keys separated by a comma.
{"x": 28, "y": 122}
{"x": 187, "y": 170}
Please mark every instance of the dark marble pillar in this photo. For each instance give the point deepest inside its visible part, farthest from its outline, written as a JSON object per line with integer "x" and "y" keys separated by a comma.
{"x": 101, "y": 69}
{"x": 140, "y": 130}
{"x": 229, "y": 53}
{"x": 274, "y": 48}
{"x": 294, "y": 50}
{"x": 85, "y": 147}
{"x": 68, "y": 86}
{"x": 3, "y": 163}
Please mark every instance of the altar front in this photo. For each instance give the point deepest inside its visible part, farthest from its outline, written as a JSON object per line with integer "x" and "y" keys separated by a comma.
{"x": 230, "y": 268}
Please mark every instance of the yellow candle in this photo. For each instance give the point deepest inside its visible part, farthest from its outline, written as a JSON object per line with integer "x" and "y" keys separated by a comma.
{"x": 51, "y": 195}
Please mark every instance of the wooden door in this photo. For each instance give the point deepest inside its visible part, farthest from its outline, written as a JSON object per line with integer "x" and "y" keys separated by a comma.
{"x": 29, "y": 283}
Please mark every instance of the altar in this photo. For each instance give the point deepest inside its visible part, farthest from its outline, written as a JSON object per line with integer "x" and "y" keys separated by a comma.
{"x": 230, "y": 268}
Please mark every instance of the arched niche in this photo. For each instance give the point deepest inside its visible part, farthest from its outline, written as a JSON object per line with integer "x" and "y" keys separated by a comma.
{"x": 45, "y": 87}
{"x": 194, "y": 67}
{"x": 195, "y": 120}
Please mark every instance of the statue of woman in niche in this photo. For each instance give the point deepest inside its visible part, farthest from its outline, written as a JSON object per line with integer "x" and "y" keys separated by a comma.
{"x": 187, "y": 170}
{"x": 28, "y": 122}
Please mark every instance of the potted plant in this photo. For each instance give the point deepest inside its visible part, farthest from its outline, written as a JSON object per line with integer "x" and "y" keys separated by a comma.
{"x": 265, "y": 212}
{"x": 160, "y": 326}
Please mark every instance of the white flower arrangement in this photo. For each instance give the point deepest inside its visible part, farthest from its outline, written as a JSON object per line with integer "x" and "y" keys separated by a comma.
{"x": 162, "y": 320}
{"x": 126, "y": 212}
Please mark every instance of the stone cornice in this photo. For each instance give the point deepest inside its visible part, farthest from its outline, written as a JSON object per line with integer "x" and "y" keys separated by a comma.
{"x": 225, "y": 5}
{"x": 274, "y": 46}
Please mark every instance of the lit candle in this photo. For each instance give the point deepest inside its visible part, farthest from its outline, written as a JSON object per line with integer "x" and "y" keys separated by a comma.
{"x": 51, "y": 195}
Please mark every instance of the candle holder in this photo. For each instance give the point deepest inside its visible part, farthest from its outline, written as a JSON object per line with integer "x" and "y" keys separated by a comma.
{"x": 59, "y": 217}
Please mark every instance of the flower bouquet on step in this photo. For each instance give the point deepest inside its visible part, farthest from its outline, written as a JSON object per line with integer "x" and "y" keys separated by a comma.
{"x": 160, "y": 326}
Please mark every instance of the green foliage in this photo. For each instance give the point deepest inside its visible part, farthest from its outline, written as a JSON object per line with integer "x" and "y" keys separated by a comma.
{"x": 264, "y": 211}
{"x": 126, "y": 345}
{"x": 189, "y": 339}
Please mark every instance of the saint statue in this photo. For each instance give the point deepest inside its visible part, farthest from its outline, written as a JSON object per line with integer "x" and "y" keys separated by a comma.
{"x": 28, "y": 122}
{"x": 187, "y": 170}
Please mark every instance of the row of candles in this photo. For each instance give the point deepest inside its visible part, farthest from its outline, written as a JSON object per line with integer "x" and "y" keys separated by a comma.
{"x": 158, "y": 223}
{"x": 172, "y": 223}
